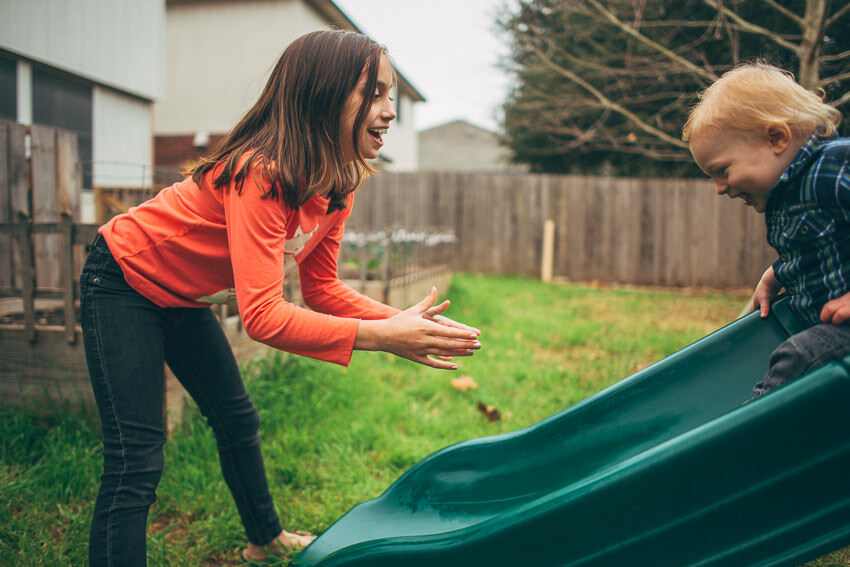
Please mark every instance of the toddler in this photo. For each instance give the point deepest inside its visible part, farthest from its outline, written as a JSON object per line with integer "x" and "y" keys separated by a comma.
{"x": 764, "y": 138}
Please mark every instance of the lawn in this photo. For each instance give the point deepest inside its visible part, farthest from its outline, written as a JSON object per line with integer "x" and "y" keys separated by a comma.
{"x": 334, "y": 436}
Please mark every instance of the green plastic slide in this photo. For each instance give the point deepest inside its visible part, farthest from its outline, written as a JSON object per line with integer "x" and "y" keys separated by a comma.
{"x": 673, "y": 466}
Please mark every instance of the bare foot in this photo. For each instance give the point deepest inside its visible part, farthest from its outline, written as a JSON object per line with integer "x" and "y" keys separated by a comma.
{"x": 288, "y": 542}
{"x": 282, "y": 545}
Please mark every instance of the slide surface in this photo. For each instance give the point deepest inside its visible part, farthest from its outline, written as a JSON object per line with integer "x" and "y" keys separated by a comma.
{"x": 672, "y": 466}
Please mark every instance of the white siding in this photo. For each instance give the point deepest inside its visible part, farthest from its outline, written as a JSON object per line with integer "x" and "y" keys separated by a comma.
{"x": 123, "y": 147}
{"x": 112, "y": 42}
{"x": 219, "y": 56}
{"x": 24, "y": 93}
{"x": 401, "y": 140}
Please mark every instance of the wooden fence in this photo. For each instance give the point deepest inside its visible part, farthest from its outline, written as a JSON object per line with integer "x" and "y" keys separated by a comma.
{"x": 663, "y": 232}
{"x": 40, "y": 179}
{"x": 41, "y": 251}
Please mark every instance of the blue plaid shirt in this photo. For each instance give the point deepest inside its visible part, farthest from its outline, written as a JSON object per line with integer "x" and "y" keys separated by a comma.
{"x": 808, "y": 223}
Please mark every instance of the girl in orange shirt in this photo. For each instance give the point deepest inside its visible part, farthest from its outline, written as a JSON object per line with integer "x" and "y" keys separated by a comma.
{"x": 280, "y": 184}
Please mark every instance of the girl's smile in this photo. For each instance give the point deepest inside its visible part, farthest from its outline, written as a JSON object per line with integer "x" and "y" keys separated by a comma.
{"x": 378, "y": 135}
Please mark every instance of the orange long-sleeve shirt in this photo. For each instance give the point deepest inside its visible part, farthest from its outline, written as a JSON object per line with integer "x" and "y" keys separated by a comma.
{"x": 192, "y": 246}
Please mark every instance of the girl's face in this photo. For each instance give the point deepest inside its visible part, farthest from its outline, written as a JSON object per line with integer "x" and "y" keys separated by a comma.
{"x": 743, "y": 165}
{"x": 378, "y": 118}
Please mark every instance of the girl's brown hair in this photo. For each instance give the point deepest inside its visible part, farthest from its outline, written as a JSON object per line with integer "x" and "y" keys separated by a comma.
{"x": 293, "y": 130}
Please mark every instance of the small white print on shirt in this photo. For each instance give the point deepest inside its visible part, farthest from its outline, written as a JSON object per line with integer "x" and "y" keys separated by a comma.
{"x": 296, "y": 244}
{"x": 227, "y": 296}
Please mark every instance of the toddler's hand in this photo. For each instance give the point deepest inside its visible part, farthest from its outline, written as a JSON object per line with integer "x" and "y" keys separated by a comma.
{"x": 766, "y": 290}
{"x": 836, "y": 311}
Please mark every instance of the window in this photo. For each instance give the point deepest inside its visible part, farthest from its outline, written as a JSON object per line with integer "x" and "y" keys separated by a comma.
{"x": 64, "y": 103}
{"x": 8, "y": 88}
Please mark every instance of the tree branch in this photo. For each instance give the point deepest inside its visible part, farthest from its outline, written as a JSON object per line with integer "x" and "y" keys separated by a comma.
{"x": 699, "y": 71}
{"x": 834, "y": 78}
{"x": 643, "y": 67}
{"x": 838, "y": 14}
{"x": 835, "y": 56}
{"x": 752, "y": 28}
{"x": 843, "y": 99}
{"x": 800, "y": 21}
{"x": 607, "y": 103}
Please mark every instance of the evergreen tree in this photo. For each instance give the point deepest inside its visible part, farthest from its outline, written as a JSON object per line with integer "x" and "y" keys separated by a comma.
{"x": 604, "y": 86}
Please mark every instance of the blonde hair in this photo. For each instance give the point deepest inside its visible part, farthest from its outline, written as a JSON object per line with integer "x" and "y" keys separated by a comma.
{"x": 753, "y": 95}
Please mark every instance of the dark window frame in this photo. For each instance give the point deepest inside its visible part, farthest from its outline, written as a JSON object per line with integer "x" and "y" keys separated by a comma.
{"x": 8, "y": 87}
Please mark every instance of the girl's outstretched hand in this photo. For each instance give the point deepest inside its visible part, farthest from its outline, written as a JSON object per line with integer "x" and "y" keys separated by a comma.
{"x": 434, "y": 314}
{"x": 421, "y": 334}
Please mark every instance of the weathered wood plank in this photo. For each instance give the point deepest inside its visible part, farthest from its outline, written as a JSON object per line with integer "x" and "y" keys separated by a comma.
{"x": 69, "y": 279}
{"x": 24, "y": 240}
{"x": 49, "y": 367}
{"x": 15, "y": 198}
{"x": 69, "y": 175}
{"x": 7, "y": 270}
{"x": 45, "y": 205}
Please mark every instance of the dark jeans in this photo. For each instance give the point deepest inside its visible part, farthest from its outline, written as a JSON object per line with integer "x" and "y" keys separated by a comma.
{"x": 128, "y": 340}
{"x": 803, "y": 352}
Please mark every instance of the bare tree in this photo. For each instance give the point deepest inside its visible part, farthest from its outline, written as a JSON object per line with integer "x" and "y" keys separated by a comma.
{"x": 608, "y": 83}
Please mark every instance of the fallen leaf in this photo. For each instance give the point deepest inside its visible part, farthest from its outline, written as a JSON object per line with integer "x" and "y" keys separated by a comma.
{"x": 489, "y": 411}
{"x": 464, "y": 383}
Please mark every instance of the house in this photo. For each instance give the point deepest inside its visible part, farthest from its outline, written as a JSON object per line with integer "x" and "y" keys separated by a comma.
{"x": 219, "y": 56}
{"x": 98, "y": 67}
{"x": 462, "y": 146}
{"x": 94, "y": 68}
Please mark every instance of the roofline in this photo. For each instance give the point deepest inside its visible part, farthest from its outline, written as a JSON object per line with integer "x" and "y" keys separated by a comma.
{"x": 462, "y": 121}
{"x": 336, "y": 17}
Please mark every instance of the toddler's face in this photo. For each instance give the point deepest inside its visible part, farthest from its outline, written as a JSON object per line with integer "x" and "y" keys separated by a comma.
{"x": 741, "y": 164}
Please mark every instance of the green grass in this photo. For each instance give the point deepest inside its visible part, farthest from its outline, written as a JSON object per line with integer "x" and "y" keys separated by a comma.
{"x": 334, "y": 436}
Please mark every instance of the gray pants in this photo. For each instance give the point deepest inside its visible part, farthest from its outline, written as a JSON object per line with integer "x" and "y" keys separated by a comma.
{"x": 803, "y": 352}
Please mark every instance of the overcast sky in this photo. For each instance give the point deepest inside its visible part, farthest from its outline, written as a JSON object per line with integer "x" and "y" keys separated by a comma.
{"x": 448, "y": 50}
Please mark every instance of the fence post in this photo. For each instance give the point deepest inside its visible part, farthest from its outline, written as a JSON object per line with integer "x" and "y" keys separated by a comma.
{"x": 99, "y": 207}
{"x": 548, "y": 255}
{"x": 68, "y": 279}
{"x": 364, "y": 269}
{"x": 387, "y": 275}
{"x": 27, "y": 275}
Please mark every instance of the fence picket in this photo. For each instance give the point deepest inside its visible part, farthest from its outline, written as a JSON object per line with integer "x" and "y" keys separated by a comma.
{"x": 45, "y": 205}
{"x": 7, "y": 269}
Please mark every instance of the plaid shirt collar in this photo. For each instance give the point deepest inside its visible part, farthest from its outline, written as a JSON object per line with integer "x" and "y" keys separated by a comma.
{"x": 798, "y": 167}
{"x": 807, "y": 153}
